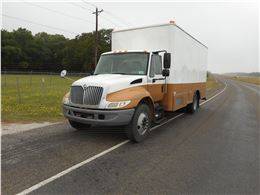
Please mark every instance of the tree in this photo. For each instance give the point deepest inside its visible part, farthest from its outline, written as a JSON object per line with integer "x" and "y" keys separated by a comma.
{"x": 44, "y": 52}
{"x": 11, "y": 55}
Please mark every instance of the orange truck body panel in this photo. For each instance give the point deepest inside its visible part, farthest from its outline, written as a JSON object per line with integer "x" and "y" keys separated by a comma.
{"x": 175, "y": 97}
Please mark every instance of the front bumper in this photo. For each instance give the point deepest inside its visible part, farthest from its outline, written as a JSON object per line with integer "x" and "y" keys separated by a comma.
{"x": 98, "y": 117}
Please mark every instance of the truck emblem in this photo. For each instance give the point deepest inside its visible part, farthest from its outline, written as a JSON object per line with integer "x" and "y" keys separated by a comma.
{"x": 85, "y": 86}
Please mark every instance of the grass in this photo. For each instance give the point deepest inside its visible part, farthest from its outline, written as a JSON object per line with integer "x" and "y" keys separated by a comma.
{"x": 212, "y": 83}
{"x": 40, "y": 97}
{"x": 253, "y": 80}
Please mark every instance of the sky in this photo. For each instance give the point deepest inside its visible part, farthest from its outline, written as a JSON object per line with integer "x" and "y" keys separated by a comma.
{"x": 230, "y": 29}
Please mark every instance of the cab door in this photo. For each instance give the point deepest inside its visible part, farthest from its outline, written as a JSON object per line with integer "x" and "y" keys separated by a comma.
{"x": 155, "y": 78}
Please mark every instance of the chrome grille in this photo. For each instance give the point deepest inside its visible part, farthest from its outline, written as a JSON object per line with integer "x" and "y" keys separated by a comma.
{"x": 76, "y": 94}
{"x": 93, "y": 95}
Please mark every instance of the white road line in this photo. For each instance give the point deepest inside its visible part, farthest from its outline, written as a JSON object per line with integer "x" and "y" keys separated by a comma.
{"x": 44, "y": 182}
{"x": 169, "y": 120}
{"x": 215, "y": 95}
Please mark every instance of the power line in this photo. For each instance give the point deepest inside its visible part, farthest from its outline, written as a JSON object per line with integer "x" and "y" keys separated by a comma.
{"x": 118, "y": 18}
{"x": 110, "y": 21}
{"x": 35, "y": 23}
{"x": 92, "y": 4}
{"x": 58, "y": 12}
{"x": 111, "y": 14}
{"x": 80, "y": 6}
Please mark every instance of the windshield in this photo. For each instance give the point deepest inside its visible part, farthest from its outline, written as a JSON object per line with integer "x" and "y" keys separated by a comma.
{"x": 123, "y": 63}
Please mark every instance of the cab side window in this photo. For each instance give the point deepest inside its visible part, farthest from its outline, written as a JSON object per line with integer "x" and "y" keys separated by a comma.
{"x": 156, "y": 65}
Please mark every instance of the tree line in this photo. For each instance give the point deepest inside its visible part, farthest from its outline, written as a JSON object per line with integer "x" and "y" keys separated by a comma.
{"x": 23, "y": 51}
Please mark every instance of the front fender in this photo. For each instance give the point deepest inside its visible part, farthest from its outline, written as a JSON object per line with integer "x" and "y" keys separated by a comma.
{"x": 135, "y": 94}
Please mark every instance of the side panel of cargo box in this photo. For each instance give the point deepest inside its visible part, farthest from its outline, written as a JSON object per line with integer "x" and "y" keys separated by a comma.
{"x": 188, "y": 70}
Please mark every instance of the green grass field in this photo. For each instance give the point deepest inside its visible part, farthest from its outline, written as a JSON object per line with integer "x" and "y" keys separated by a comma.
{"x": 253, "y": 80}
{"x": 211, "y": 82}
{"x": 40, "y": 97}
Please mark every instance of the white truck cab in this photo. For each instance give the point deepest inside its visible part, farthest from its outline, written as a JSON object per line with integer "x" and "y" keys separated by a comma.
{"x": 135, "y": 87}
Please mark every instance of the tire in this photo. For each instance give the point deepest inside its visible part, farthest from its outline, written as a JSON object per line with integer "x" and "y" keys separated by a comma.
{"x": 79, "y": 126}
{"x": 139, "y": 127}
{"x": 194, "y": 106}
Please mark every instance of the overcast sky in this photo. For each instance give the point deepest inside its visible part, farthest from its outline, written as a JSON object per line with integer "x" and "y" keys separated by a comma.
{"x": 230, "y": 30}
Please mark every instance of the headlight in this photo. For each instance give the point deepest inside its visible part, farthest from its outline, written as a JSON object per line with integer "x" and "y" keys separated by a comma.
{"x": 66, "y": 98}
{"x": 121, "y": 104}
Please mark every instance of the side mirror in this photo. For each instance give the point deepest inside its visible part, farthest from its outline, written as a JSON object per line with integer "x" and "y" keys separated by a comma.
{"x": 167, "y": 60}
{"x": 63, "y": 73}
{"x": 165, "y": 72}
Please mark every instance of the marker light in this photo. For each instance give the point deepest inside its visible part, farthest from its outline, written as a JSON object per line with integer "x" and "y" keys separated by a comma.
{"x": 66, "y": 98}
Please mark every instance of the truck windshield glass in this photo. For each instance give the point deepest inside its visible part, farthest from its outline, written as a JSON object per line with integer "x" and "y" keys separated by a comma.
{"x": 123, "y": 63}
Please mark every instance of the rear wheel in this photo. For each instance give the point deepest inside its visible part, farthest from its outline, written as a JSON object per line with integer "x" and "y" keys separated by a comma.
{"x": 139, "y": 127}
{"x": 194, "y": 106}
{"x": 79, "y": 126}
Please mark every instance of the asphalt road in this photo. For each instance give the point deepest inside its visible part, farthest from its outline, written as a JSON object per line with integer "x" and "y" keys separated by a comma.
{"x": 214, "y": 151}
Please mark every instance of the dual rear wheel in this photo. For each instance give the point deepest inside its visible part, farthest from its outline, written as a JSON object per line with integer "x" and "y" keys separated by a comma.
{"x": 194, "y": 106}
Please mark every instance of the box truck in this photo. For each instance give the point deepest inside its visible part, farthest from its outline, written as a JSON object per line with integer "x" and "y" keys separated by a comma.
{"x": 150, "y": 72}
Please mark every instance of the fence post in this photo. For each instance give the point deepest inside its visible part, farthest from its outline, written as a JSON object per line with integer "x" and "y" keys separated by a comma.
{"x": 42, "y": 86}
{"x": 18, "y": 90}
{"x": 5, "y": 80}
{"x": 31, "y": 80}
{"x": 50, "y": 79}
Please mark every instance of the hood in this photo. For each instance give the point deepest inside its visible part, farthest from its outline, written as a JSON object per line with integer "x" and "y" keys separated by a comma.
{"x": 111, "y": 82}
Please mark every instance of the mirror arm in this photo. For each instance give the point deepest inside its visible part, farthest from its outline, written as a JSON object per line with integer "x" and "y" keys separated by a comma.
{"x": 165, "y": 85}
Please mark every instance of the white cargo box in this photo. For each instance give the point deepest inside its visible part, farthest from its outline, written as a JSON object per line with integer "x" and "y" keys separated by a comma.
{"x": 189, "y": 56}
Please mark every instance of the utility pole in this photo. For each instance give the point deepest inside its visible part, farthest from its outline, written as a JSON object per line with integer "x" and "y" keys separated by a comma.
{"x": 97, "y": 12}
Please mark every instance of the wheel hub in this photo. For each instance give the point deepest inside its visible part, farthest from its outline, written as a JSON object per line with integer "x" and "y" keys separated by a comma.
{"x": 195, "y": 104}
{"x": 142, "y": 123}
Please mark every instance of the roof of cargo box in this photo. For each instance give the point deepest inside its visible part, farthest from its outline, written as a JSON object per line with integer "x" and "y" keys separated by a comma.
{"x": 157, "y": 25}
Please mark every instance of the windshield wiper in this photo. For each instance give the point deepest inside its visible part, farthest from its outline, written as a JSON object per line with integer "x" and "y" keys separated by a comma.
{"x": 118, "y": 73}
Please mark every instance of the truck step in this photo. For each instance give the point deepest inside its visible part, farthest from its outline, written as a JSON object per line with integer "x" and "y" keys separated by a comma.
{"x": 158, "y": 121}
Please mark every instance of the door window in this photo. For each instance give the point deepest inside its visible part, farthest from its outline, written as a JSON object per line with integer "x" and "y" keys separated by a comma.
{"x": 156, "y": 65}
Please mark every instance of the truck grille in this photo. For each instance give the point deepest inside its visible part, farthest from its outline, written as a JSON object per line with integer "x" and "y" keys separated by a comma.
{"x": 76, "y": 95}
{"x": 92, "y": 95}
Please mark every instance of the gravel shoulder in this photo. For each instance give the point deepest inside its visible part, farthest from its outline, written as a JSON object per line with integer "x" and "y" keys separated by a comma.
{"x": 12, "y": 128}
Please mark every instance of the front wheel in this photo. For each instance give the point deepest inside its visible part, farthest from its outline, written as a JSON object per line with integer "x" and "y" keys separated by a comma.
{"x": 139, "y": 127}
{"x": 79, "y": 126}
